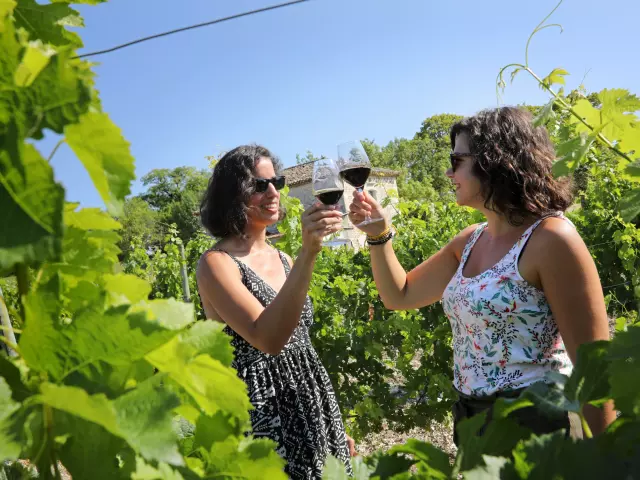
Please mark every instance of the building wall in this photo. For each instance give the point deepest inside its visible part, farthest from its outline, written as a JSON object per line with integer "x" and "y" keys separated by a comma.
{"x": 378, "y": 187}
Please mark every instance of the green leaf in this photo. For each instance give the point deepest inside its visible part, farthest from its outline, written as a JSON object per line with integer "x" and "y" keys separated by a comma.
{"x": 145, "y": 420}
{"x": 6, "y": 7}
{"x": 215, "y": 428}
{"x": 125, "y": 288}
{"x": 499, "y": 438}
{"x": 100, "y": 146}
{"x": 624, "y": 355}
{"x": 589, "y": 379}
{"x": 142, "y": 417}
{"x": 490, "y": 470}
{"x": 248, "y": 459}
{"x": 89, "y": 218}
{"x": 588, "y": 113}
{"x": 545, "y": 114}
{"x": 434, "y": 461}
{"x": 117, "y": 336}
{"x": 550, "y": 399}
{"x": 35, "y": 58}
{"x": 162, "y": 471}
{"x": 629, "y": 205}
{"x": 388, "y": 465}
{"x": 11, "y": 374}
{"x": 46, "y": 22}
{"x": 10, "y": 448}
{"x": 209, "y": 338}
{"x": 334, "y": 469}
{"x": 571, "y": 153}
{"x": 35, "y": 219}
{"x": 89, "y": 451}
{"x": 555, "y": 77}
{"x": 211, "y": 384}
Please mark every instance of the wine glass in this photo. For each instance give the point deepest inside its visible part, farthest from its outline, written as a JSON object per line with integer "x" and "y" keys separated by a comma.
{"x": 328, "y": 187}
{"x": 355, "y": 168}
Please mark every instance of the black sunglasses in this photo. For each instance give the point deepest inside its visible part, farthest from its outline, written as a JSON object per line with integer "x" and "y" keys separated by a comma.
{"x": 263, "y": 183}
{"x": 456, "y": 158}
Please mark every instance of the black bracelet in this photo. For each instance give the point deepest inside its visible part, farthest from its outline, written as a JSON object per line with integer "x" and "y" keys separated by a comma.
{"x": 382, "y": 240}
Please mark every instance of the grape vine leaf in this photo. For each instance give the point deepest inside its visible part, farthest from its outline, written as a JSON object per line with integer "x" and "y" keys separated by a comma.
{"x": 89, "y": 451}
{"x": 211, "y": 429}
{"x": 629, "y": 205}
{"x": 555, "y": 77}
{"x": 624, "y": 355}
{"x": 47, "y": 22}
{"x": 250, "y": 459}
{"x": 9, "y": 446}
{"x": 499, "y": 438}
{"x": 35, "y": 219}
{"x": 141, "y": 416}
{"x": 492, "y": 469}
{"x": 433, "y": 462}
{"x": 117, "y": 336}
{"x": 89, "y": 218}
{"x": 6, "y": 7}
{"x": 545, "y": 114}
{"x": 588, "y": 382}
{"x": 212, "y": 385}
{"x": 35, "y": 58}
{"x": 100, "y": 146}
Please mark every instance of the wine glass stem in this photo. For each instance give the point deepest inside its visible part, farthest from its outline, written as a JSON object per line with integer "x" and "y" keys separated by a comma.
{"x": 367, "y": 217}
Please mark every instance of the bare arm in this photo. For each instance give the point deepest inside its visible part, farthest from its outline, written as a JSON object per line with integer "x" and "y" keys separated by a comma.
{"x": 266, "y": 328}
{"x": 570, "y": 281}
{"x": 424, "y": 284}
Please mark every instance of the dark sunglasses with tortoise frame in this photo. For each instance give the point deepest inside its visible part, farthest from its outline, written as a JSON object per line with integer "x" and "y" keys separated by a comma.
{"x": 261, "y": 184}
{"x": 456, "y": 158}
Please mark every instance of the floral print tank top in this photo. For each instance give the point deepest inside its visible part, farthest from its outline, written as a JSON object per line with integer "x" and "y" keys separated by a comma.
{"x": 504, "y": 334}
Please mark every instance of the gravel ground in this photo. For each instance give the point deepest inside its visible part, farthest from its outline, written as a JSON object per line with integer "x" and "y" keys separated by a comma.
{"x": 439, "y": 434}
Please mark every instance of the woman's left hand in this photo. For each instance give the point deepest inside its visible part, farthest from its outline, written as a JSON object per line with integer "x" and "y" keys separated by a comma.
{"x": 351, "y": 445}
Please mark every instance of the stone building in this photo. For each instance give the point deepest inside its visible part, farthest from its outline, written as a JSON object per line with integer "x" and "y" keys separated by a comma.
{"x": 381, "y": 184}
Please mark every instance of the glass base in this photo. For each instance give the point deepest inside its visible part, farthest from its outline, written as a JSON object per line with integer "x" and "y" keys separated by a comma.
{"x": 367, "y": 221}
{"x": 336, "y": 242}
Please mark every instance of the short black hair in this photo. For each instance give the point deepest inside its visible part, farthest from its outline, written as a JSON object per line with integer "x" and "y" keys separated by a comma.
{"x": 223, "y": 210}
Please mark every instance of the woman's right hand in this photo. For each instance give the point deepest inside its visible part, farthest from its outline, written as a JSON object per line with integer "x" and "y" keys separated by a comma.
{"x": 318, "y": 221}
{"x": 362, "y": 205}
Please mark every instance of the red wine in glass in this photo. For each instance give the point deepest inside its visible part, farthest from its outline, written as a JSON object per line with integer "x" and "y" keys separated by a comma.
{"x": 329, "y": 197}
{"x": 356, "y": 177}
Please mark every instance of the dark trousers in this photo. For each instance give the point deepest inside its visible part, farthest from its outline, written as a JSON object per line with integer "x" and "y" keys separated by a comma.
{"x": 530, "y": 417}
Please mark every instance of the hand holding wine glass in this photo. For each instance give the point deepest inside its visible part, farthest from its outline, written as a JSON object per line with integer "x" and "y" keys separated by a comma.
{"x": 364, "y": 206}
{"x": 355, "y": 169}
{"x": 328, "y": 188}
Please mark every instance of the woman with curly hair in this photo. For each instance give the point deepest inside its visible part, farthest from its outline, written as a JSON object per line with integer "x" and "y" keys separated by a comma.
{"x": 261, "y": 296}
{"x": 520, "y": 290}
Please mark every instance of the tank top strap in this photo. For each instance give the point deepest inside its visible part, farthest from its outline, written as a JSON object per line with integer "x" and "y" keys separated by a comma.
{"x": 522, "y": 242}
{"x": 471, "y": 242}
{"x": 285, "y": 262}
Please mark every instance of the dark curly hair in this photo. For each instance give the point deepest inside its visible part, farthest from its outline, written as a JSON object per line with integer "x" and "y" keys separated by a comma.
{"x": 513, "y": 163}
{"x": 223, "y": 210}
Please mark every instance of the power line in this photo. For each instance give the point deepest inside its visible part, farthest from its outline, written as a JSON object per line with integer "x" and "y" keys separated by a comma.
{"x": 191, "y": 27}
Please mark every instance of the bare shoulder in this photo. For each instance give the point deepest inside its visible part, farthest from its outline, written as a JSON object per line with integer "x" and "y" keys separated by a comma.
{"x": 215, "y": 265}
{"x": 555, "y": 236}
{"x": 458, "y": 242}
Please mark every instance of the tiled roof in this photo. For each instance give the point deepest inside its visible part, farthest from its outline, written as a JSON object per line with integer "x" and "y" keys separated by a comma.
{"x": 301, "y": 174}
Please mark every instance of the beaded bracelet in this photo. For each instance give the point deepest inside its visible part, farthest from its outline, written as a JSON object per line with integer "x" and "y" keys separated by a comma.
{"x": 380, "y": 241}
{"x": 381, "y": 235}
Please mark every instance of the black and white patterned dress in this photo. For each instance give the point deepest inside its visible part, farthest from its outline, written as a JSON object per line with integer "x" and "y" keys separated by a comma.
{"x": 294, "y": 402}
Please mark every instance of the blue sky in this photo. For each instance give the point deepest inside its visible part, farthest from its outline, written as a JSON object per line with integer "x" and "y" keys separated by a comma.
{"x": 319, "y": 73}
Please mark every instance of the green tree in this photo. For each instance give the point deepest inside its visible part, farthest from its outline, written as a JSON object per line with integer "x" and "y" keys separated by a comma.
{"x": 139, "y": 221}
{"x": 175, "y": 194}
